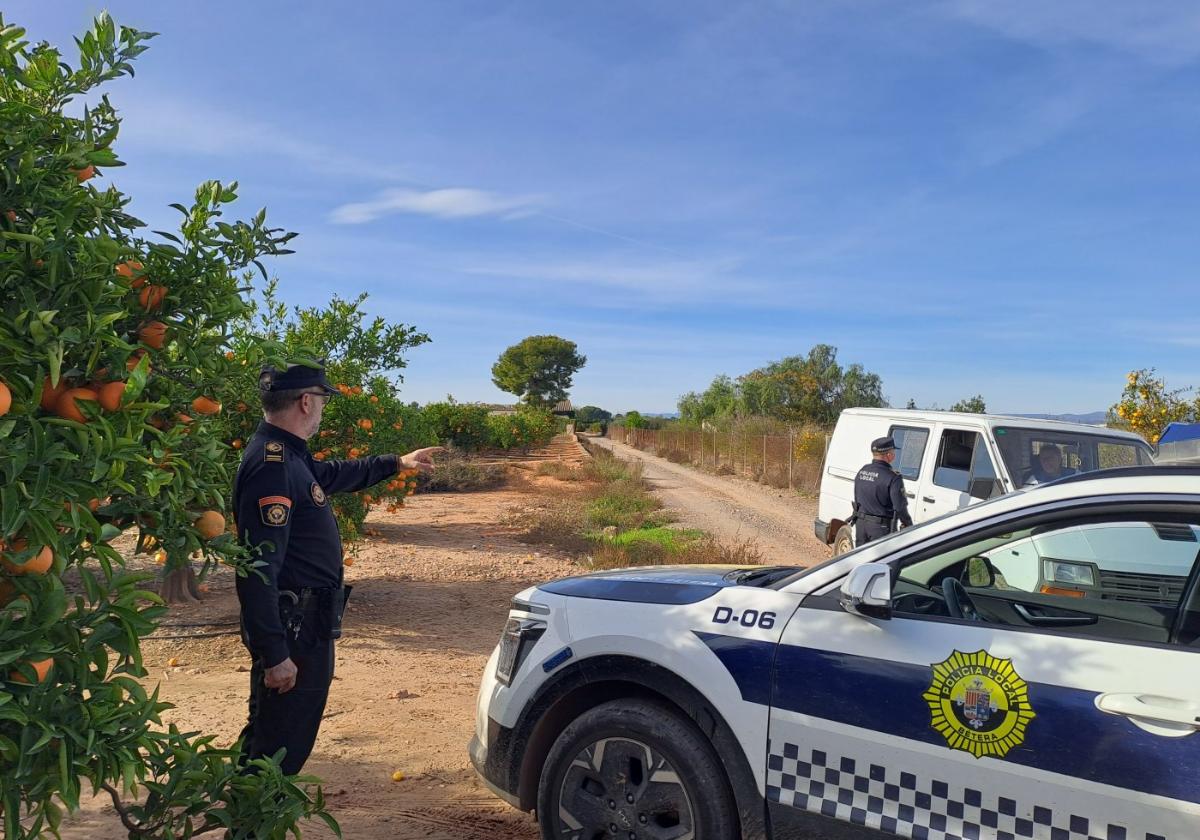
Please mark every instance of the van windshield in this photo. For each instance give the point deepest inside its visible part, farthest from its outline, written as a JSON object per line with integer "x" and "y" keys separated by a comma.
{"x": 1035, "y": 456}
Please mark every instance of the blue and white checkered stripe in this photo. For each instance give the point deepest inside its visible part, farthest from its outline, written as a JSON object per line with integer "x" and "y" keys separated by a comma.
{"x": 922, "y": 808}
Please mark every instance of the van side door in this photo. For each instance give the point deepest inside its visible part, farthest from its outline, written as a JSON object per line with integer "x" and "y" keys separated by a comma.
{"x": 962, "y": 463}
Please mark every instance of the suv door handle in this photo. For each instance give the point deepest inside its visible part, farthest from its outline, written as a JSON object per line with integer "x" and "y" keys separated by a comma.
{"x": 1153, "y": 712}
{"x": 929, "y": 500}
{"x": 1043, "y": 620}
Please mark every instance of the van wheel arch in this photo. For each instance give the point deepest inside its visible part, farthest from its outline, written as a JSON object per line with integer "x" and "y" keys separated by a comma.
{"x": 591, "y": 682}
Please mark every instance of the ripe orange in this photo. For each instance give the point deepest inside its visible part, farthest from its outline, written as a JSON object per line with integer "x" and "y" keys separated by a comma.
{"x": 50, "y": 393}
{"x": 365, "y": 424}
{"x": 237, "y": 443}
{"x": 160, "y": 557}
{"x": 5, "y": 399}
{"x": 183, "y": 418}
{"x": 229, "y": 355}
{"x": 39, "y": 565}
{"x": 134, "y": 358}
{"x": 374, "y": 398}
{"x": 151, "y": 297}
{"x": 210, "y": 524}
{"x": 318, "y": 456}
{"x": 153, "y": 334}
{"x": 206, "y": 406}
{"x": 355, "y": 452}
{"x": 128, "y": 268}
{"x": 110, "y": 395}
{"x": 88, "y": 172}
{"x": 40, "y": 666}
{"x": 68, "y": 404}
{"x": 347, "y": 560}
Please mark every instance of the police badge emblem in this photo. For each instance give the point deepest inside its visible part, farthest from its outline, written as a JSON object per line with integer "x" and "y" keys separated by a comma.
{"x": 318, "y": 494}
{"x": 275, "y": 510}
{"x": 979, "y": 703}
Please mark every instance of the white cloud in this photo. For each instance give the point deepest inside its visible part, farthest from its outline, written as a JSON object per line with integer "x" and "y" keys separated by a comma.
{"x": 456, "y": 203}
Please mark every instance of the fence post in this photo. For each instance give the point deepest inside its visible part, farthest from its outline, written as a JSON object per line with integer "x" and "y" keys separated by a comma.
{"x": 764, "y": 469}
{"x": 791, "y": 453}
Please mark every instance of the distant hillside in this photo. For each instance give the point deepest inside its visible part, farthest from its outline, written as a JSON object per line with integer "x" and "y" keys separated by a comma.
{"x": 1093, "y": 418}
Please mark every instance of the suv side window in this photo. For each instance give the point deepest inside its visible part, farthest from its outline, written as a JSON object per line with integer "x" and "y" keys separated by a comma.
{"x": 1122, "y": 580}
{"x": 910, "y": 450}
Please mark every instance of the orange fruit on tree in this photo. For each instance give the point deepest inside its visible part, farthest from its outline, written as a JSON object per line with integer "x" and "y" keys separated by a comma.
{"x": 128, "y": 268}
{"x": 153, "y": 334}
{"x": 183, "y": 418}
{"x": 110, "y": 395}
{"x": 68, "y": 404}
{"x": 151, "y": 297}
{"x": 365, "y": 424}
{"x": 5, "y": 399}
{"x": 50, "y": 393}
{"x": 318, "y": 456}
{"x": 88, "y": 172}
{"x": 39, "y": 565}
{"x": 134, "y": 358}
{"x": 160, "y": 557}
{"x": 237, "y": 443}
{"x": 374, "y": 398}
{"x": 210, "y": 524}
{"x": 206, "y": 406}
{"x": 229, "y": 355}
{"x": 355, "y": 452}
{"x": 40, "y": 666}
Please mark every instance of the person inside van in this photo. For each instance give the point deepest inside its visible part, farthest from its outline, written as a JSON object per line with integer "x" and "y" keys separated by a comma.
{"x": 1048, "y": 466}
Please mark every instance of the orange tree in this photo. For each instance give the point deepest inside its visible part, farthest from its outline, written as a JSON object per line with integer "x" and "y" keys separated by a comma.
{"x": 110, "y": 354}
{"x": 1146, "y": 406}
{"x": 368, "y": 418}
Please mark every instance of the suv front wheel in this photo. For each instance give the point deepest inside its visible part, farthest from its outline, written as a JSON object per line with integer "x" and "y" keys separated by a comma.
{"x": 634, "y": 769}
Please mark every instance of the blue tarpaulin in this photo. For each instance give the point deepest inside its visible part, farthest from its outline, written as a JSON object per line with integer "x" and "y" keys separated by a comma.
{"x": 1176, "y": 432}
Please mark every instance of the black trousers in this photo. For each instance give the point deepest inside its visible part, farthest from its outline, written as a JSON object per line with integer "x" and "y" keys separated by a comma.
{"x": 865, "y": 531}
{"x": 290, "y": 720}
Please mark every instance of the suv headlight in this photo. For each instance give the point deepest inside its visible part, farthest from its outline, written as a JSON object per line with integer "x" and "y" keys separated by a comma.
{"x": 519, "y": 637}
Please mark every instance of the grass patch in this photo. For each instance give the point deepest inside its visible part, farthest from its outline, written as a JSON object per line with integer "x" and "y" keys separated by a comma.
{"x": 457, "y": 475}
{"x": 559, "y": 470}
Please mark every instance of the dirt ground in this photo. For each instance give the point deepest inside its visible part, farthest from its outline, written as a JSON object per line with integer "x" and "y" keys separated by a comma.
{"x": 431, "y": 594}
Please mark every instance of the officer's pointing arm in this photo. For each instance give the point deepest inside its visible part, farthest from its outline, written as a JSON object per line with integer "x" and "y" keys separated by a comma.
{"x": 264, "y": 515}
{"x": 900, "y": 501}
{"x": 357, "y": 474}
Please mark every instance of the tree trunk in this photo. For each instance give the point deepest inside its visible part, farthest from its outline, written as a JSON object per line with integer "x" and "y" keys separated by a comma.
{"x": 179, "y": 586}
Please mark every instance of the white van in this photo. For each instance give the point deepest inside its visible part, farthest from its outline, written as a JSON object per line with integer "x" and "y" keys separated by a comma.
{"x": 950, "y": 460}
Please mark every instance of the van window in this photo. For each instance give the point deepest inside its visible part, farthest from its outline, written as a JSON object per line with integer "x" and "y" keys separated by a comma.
{"x": 1034, "y": 456}
{"x": 953, "y": 467}
{"x": 910, "y": 450}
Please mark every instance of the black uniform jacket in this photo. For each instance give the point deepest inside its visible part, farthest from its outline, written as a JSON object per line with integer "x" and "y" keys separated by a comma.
{"x": 281, "y": 503}
{"x": 879, "y": 491}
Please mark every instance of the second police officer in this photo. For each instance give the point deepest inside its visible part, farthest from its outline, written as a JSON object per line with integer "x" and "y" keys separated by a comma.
{"x": 879, "y": 500}
{"x": 292, "y": 604}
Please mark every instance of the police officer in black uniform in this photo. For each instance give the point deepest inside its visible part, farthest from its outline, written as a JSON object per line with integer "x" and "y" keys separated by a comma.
{"x": 879, "y": 500}
{"x": 292, "y": 603}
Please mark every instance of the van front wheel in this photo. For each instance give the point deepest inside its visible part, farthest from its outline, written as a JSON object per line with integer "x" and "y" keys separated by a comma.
{"x": 844, "y": 541}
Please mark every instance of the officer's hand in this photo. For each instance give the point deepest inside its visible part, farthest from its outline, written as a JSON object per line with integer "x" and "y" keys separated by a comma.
{"x": 420, "y": 459}
{"x": 281, "y": 677}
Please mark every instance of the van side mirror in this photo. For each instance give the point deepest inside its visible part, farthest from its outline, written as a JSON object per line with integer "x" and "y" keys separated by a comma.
{"x": 868, "y": 592}
{"x": 983, "y": 488}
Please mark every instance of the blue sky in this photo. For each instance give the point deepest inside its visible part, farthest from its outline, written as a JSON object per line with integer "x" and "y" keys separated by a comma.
{"x": 964, "y": 196}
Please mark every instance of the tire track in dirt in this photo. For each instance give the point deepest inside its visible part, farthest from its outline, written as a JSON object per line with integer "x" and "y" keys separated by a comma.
{"x": 732, "y": 509}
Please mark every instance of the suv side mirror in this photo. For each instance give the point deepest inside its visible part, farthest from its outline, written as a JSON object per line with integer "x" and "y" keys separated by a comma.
{"x": 868, "y": 592}
{"x": 982, "y": 488}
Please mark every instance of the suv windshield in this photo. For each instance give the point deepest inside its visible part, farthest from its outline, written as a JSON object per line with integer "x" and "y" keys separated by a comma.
{"x": 1035, "y": 456}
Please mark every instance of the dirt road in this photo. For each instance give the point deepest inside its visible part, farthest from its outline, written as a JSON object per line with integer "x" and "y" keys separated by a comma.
{"x": 781, "y": 521}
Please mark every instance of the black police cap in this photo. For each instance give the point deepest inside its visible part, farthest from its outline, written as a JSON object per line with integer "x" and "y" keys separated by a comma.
{"x": 294, "y": 377}
{"x": 883, "y": 444}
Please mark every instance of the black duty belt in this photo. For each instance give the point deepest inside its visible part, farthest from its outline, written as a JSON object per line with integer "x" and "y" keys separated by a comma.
{"x": 306, "y": 599}
{"x": 882, "y": 520}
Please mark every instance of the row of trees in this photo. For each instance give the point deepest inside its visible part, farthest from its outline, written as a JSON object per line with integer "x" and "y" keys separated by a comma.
{"x": 813, "y": 388}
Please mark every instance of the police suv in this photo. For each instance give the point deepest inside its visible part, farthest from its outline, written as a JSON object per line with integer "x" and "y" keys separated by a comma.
{"x": 1022, "y": 668}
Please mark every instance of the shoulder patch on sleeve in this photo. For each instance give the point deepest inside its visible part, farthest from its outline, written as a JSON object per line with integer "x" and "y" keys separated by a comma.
{"x": 275, "y": 510}
{"x": 273, "y": 451}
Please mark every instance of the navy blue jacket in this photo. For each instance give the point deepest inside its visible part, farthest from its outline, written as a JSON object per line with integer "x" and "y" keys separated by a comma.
{"x": 879, "y": 491}
{"x": 280, "y": 502}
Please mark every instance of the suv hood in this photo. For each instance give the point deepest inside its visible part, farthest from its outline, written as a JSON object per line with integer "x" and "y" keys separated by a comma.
{"x": 655, "y": 584}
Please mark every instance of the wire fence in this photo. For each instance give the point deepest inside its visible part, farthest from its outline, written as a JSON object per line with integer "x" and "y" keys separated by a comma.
{"x": 792, "y": 460}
